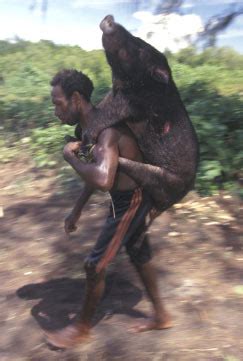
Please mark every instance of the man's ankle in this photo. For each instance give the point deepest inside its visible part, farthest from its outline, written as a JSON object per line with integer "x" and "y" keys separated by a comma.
{"x": 82, "y": 326}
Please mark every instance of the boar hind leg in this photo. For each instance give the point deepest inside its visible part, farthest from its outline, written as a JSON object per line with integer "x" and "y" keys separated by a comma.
{"x": 163, "y": 186}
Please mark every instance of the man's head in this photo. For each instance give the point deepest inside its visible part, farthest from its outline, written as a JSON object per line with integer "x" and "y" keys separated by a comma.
{"x": 71, "y": 90}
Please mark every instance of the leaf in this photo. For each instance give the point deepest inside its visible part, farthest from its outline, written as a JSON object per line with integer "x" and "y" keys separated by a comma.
{"x": 239, "y": 290}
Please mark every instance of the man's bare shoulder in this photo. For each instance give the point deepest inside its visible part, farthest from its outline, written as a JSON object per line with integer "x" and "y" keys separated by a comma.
{"x": 127, "y": 143}
{"x": 120, "y": 139}
{"x": 108, "y": 137}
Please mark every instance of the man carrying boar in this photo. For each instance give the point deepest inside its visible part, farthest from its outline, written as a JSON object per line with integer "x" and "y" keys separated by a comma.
{"x": 126, "y": 226}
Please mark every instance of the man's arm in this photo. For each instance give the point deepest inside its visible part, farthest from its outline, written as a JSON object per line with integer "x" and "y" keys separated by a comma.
{"x": 73, "y": 217}
{"x": 101, "y": 172}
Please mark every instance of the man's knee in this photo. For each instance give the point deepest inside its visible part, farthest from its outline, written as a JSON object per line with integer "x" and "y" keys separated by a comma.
{"x": 90, "y": 269}
{"x": 140, "y": 252}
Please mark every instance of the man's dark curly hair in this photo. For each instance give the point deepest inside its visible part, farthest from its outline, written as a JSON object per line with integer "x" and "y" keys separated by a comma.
{"x": 72, "y": 80}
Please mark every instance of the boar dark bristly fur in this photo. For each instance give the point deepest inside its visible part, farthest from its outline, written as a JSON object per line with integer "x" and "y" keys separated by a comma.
{"x": 145, "y": 96}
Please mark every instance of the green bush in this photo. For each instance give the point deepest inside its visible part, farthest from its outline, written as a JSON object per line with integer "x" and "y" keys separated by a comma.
{"x": 210, "y": 83}
{"x": 47, "y": 144}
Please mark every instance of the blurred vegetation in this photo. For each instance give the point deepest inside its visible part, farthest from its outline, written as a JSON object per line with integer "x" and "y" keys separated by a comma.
{"x": 210, "y": 83}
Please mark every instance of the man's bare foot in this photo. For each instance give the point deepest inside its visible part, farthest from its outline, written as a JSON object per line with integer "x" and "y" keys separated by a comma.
{"x": 152, "y": 324}
{"x": 67, "y": 337}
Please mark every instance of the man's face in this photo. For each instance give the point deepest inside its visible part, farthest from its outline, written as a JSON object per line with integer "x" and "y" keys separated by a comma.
{"x": 65, "y": 109}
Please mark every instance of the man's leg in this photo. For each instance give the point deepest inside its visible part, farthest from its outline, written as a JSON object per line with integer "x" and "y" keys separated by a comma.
{"x": 95, "y": 286}
{"x": 79, "y": 331}
{"x": 161, "y": 319}
{"x": 106, "y": 247}
{"x": 139, "y": 251}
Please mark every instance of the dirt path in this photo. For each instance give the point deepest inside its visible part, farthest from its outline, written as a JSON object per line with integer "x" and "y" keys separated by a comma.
{"x": 198, "y": 255}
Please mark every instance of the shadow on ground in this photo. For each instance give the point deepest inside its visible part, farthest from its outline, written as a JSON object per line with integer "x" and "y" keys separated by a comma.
{"x": 60, "y": 300}
{"x": 197, "y": 253}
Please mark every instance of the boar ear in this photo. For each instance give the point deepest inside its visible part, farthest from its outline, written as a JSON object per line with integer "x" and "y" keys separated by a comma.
{"x": 161, "y": 75}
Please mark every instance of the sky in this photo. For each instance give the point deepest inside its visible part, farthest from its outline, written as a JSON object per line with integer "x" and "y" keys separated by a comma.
{"x": 76, "y": 22}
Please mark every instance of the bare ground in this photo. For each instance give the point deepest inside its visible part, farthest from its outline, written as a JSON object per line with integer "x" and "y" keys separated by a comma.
{"x": 197, "y": 253}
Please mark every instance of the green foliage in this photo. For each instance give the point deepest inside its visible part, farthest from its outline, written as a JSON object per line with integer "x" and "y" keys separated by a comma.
{"x": 231, "y": 358}
{"x": 47, "y": 144}
{"x": 212, "y": 90}
{"x": 210, "y": 83}
{"x": 25, "y": 73}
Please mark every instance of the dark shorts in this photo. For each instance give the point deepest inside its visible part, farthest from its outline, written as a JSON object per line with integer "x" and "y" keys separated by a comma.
{"x": 125, "y": 226}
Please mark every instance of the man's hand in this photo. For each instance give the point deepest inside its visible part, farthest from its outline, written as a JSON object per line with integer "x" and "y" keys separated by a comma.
{"x": 71, "y": 149}
{"x": 71, "y": 220}
{"x": 70, "y": 223}
{"x": 100, "y": 170}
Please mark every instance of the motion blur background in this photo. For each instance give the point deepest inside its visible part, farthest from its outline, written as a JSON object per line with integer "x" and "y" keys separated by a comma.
{"x": 203, "y": 43}
{"x": 197, "y": 244}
